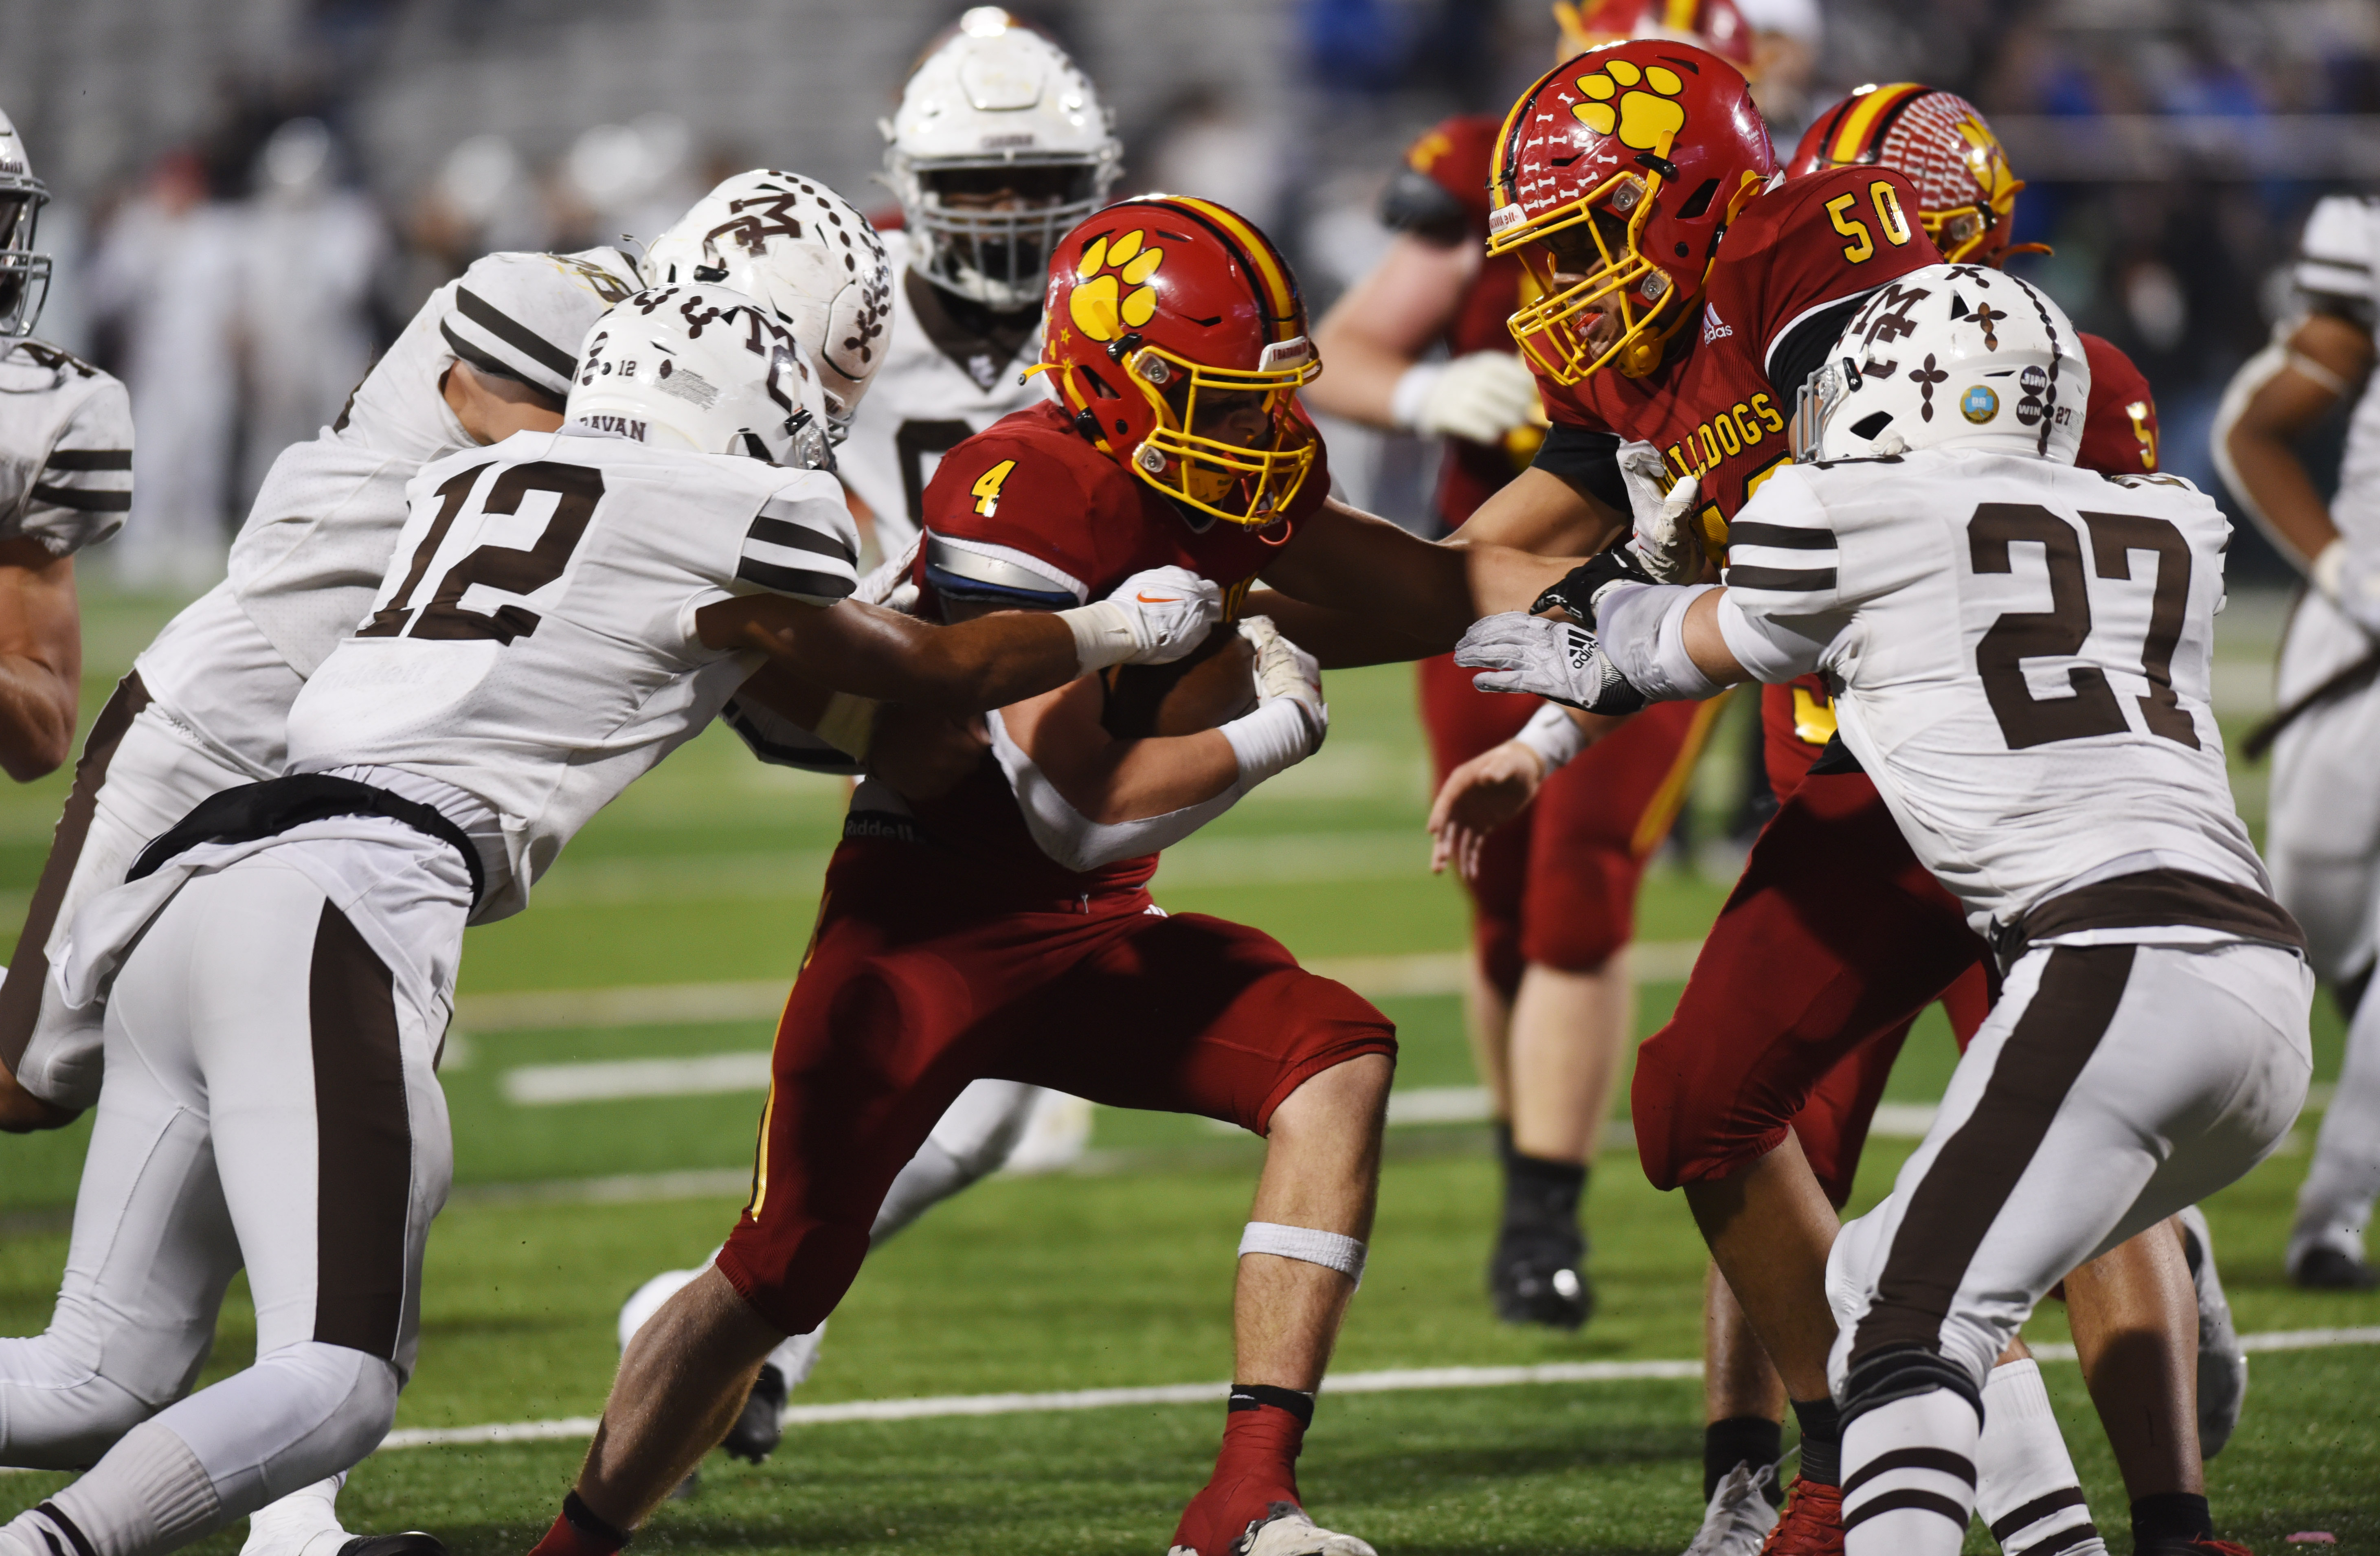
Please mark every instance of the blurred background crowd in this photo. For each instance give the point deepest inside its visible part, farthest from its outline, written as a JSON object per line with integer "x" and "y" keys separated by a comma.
{"x": 252, "y": 195}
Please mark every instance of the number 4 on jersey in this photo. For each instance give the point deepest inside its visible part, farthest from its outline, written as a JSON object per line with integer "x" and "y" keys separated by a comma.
{"x": 987, "y": 486}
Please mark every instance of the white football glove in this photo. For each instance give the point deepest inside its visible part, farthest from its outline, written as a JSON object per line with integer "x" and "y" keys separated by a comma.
{"x": 1286, "y": 673}
{"x": 1152, "y": 618}
{"x": 2350, "y": 578}
{"x": 1664, "y": 540}
{"x": 890, "y": 583}
{"x": 1479, "y": 397}
{"x": 1557, "y": 661}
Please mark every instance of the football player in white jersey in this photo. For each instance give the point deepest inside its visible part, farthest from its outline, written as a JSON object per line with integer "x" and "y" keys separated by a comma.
{"x": 65, "y": 483}
{"x": 2023, "y": 653}
{"x": 2324, "y": 831}
{"x": 560, "y": 611}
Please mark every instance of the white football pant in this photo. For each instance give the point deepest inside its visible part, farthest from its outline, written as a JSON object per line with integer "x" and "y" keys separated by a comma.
{"x": 269, "y": 1101}
{"x": 2323, "y": 840}
{"x": 2111, "y": 1085}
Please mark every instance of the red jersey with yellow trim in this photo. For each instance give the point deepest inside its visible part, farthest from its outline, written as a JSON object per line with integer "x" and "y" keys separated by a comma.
{"x": 1456, "y": 155}
{"x": 1795, "y": 250}
{"x": 2119, "y": 437}
{"x": 1029, "y": 507}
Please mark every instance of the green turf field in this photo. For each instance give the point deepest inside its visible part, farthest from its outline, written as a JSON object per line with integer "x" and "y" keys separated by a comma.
{"x": 1117, "y": 1275}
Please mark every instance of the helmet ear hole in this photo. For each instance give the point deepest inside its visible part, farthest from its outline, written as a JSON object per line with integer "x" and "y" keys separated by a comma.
{"x": 1869, "y": 426}
{"x": 1099, "y": 385}
{"x": 1699, "y": 201}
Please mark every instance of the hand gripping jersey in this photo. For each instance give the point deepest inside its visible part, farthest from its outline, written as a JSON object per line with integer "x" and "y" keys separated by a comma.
{"x": 2336, "y": 272}
{"x": 1030, "y": 515}
{"x": 941, "y": 384}
{"x": 1719, "y": 406}
{"x": 66, "y": 449}
{"x": 306, "y": 564}
{"x": 2023, "y": 657}
{"x": 534, "y": 641}
{"x": 1440, "y": 194}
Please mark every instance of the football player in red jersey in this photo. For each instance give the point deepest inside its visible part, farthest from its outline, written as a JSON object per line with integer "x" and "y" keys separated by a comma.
{"x": 1550, "y": 1002}
{"x": 1817, "y": 964}
{"x": 1178, "y": 342}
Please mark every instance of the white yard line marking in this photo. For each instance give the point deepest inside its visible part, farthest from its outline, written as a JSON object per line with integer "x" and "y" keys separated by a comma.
{"x": 533, "y": 1085}
{"x": 1395, "y": 1381}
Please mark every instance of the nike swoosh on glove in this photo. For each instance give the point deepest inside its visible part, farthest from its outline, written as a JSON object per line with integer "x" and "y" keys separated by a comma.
{"x": 1167, "y": 610}
{"x": 1549, "y": 659}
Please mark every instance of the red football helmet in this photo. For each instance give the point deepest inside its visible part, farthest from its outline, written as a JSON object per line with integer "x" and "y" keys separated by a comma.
{"x": 1631, "y": 158}
{"x": 1158, "y": 303}
{"x": 1714, "y": 25}
{"x": 1966, "y": 193}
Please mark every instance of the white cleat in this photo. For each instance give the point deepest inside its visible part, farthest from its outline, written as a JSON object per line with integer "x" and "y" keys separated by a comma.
{"x": 2222, "y": 1361}
{"x": 304, "y": 1523}
{"x": 1740, "y": 1515}
{"x": 1287, "y": 1531}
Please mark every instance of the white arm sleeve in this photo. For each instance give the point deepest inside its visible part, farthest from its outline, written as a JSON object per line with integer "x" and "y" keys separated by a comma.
{"x": 1768, "y": 649}
{"x": 1075, "y": 840}
{"x": 1642, "y": 629}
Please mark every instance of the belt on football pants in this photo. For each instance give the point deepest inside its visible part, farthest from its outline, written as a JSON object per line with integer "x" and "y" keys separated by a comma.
{"x": 266, "y": 810}
{"x": 2148, "y": 899}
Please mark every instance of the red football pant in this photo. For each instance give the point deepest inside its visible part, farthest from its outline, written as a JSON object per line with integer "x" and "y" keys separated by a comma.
{"x": 915, "y": 986}
{"x": 1832, "y": 943}
{"x": 1557, "y": 884}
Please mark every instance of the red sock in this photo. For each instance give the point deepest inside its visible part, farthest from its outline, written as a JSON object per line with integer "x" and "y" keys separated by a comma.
{"x": 1256, "y": 1468}
{"x": 579, "y": 1532}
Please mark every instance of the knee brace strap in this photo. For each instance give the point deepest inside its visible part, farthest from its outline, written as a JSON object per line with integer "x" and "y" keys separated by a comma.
{"x": 1903, "y": 1372}
{"x": 1328, "y": 1249}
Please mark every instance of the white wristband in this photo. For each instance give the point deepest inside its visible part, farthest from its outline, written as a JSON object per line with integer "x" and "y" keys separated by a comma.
{"x": 1412, "y": 391}
{"x": 1278, "y": 735}
{"x": 1102, "y": 635}
{"x": 2328, "y": 568}
{"x": 1332, "y": 1250}
{"x": 1553, "y": 734}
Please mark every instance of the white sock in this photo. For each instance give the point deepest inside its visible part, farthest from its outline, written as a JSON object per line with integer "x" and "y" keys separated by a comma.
{"x": 928, "y": 1178}
{"x": 304, "y": 1523}
{"x": 2026, "y": 1489}
{"x": 148, "y": 1495}
{"x": 1909, "y": 1477}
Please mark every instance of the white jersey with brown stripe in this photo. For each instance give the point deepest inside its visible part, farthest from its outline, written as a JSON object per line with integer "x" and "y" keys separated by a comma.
{"x": 2338, "y": 268}
{"x": 317, "y": 538}
{"x": 66, "y": 448}
{"x": 2023, "y": 653}
{"x": 534, "y": 642}
{"x": 941, "y": 382}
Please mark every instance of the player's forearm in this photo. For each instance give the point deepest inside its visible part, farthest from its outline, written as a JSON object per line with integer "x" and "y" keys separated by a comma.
{"x": 994, "y": 659}
{"x": 1707, "y": 643}
{"x": 1359, "y": 374}
{"x": 1537, "y": 511}
{"x": 2276, "y": 398}
{"x": 1340, "y": 640}
{"x": 38, "y": 708}
{"x": 2272, "y": 483}
{"x": 1135, "y": 780}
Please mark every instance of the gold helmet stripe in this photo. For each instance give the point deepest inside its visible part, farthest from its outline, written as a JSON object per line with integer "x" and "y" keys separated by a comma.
{"x": 1278, "y": 289}
{"x": 1862, "y": 129}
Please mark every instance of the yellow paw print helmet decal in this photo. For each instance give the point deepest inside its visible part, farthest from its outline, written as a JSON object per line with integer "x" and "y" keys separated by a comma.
{"x": 1178, "y": 341}
{"x": 1640, "y": 102}
{"x": 1113, "y": 294}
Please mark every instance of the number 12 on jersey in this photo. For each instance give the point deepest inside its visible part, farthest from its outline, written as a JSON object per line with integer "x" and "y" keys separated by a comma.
{"x": 508, "y": 569}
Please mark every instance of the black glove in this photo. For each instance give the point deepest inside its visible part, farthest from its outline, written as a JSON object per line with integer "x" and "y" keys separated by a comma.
{"x": 1583, "y": 590}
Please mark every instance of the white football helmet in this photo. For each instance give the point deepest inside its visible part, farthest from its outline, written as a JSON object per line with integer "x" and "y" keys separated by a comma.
{"x": 24, "y": 276}
{"x": 706, "y": 369}
{"x": 1949, "y": 356}
{"x": 999, "y": 147}
{"x": 808, "y": 255}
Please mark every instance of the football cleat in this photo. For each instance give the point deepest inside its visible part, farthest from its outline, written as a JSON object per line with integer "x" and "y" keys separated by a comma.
{"x": 412, "y": 1542}
{"x": 1285, "y": 1530}
{"x": 1538, "y": 1276}
{"x": 755, "y": 1434}
{"x": 1740, "y": 1514}
{"x": 1812, "y": 1523}
{"x": 2222, "y": 1363}
{"x": 2324, "y": 1266}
